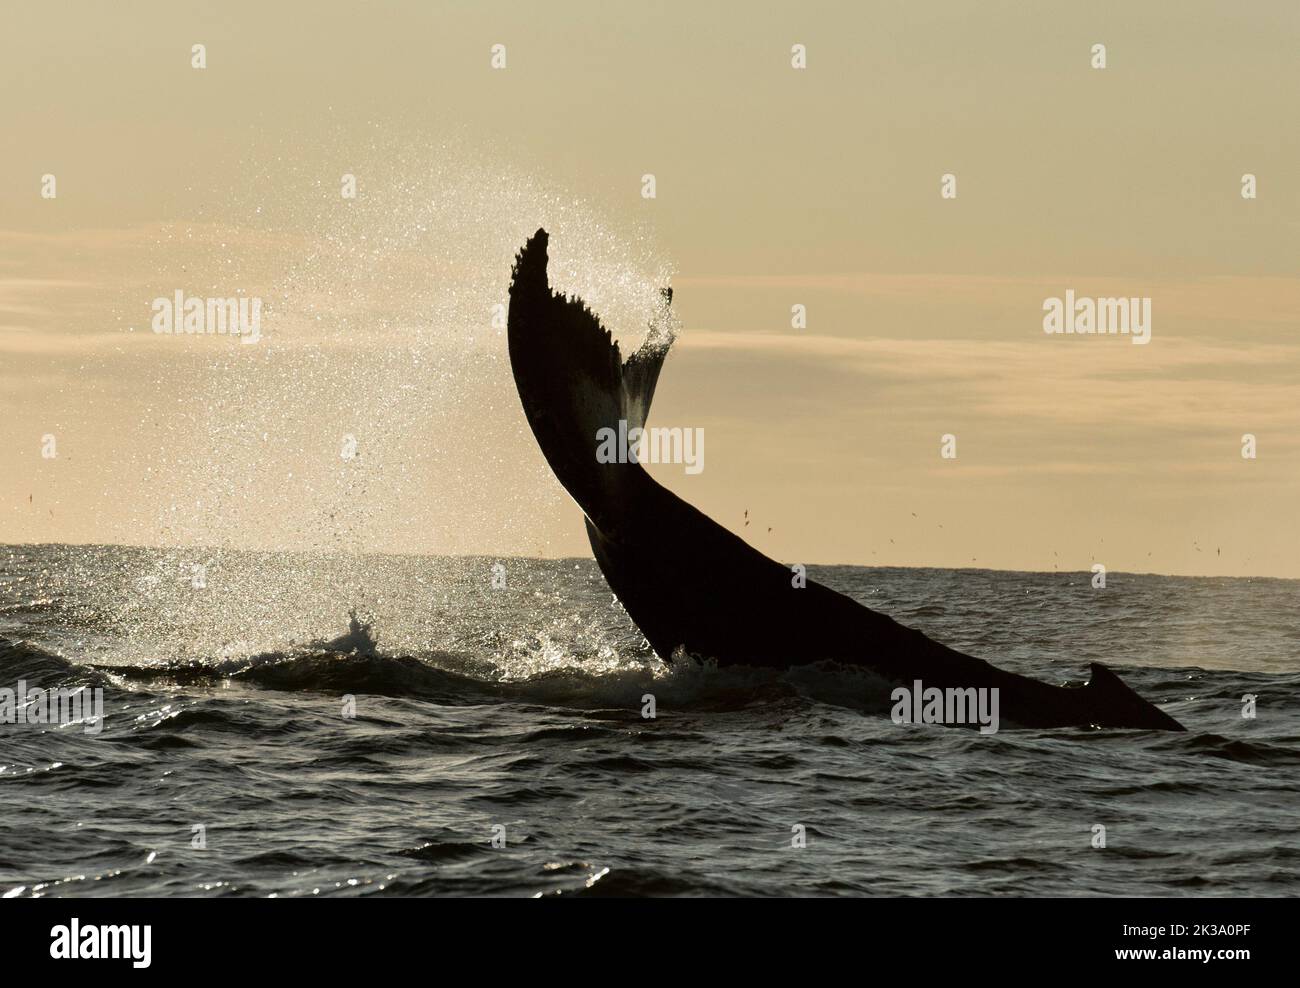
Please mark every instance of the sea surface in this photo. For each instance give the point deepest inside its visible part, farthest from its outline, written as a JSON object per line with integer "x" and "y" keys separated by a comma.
{"x": 300, "y": 725}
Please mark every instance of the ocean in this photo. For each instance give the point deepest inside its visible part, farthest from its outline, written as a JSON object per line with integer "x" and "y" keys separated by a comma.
{"x": 303, "y": 725}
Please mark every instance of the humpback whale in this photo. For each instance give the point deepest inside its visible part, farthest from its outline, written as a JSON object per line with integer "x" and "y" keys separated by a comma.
{"x": 690, "y": 584}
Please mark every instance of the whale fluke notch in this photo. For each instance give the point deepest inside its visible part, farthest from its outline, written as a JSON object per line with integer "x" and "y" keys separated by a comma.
{"x": 690, "y": 584}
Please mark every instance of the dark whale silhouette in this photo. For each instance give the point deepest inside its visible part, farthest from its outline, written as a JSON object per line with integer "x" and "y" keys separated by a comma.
{"x": 690, "y": 584}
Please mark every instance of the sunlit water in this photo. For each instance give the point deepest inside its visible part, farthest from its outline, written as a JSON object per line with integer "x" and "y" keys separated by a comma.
{"x": 479, "y": 707}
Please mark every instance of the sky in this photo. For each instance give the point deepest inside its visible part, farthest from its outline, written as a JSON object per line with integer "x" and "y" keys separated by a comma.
{"x": 775, "y": 186}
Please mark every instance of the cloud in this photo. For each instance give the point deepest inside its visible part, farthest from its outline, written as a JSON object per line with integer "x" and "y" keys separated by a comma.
{"x": 1169, "y": 384}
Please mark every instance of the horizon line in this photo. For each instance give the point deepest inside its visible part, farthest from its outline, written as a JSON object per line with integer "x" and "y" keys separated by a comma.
{"x": 591, "y": 559}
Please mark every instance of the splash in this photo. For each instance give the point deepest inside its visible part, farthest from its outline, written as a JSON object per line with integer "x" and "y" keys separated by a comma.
{"x": 377, "y": 415}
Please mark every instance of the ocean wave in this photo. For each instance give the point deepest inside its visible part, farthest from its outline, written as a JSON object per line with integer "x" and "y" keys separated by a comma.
{"x": 462, "y": 677}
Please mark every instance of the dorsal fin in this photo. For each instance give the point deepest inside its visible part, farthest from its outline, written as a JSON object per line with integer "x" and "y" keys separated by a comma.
{"x": 1117, "y": 702}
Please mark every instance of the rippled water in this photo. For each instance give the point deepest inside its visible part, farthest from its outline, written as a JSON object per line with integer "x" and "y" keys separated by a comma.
{"x": 519, "y": 707}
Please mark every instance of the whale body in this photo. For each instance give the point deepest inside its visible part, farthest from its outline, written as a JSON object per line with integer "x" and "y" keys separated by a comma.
{"x": 690, "y": 584}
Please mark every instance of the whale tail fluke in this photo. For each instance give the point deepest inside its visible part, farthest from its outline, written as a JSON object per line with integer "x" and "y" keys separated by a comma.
{"x": 663, "y": 557}
{"x": 574, "y": 383}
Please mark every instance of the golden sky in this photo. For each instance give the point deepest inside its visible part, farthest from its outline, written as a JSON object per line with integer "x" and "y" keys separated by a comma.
{"x": 775, "y": 187}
